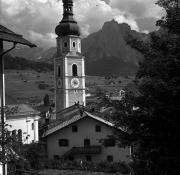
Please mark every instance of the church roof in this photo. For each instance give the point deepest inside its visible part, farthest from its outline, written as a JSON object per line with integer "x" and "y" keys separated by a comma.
{"x": 74, "y": 119}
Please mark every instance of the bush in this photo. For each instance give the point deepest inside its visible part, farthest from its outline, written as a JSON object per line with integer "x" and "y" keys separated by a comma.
{"x": 89, "y": 166}
{"x": 35, "y": 154}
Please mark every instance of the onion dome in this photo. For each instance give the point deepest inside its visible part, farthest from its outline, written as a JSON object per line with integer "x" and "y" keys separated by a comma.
{"x": 67, "y": 26}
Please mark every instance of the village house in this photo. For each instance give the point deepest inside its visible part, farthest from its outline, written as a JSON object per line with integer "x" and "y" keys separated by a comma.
{"x": 24, "y": 118}
{"x": 84, "y": 136}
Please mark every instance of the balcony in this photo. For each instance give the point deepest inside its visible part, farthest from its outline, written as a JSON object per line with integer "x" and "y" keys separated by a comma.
{"x": 82, "y": 150}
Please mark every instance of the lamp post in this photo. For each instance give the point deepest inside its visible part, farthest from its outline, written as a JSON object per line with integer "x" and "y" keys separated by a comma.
{"x": 9, "y": 36}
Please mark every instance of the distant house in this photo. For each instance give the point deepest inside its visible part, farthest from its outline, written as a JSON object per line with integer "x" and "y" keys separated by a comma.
{"x": 79, "y": 135}
{"x": 23, "y": 117}
{"x": 118, "y": 96}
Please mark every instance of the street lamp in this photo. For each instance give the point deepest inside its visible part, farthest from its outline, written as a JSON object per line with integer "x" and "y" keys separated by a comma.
{"x": 8, "y": 36}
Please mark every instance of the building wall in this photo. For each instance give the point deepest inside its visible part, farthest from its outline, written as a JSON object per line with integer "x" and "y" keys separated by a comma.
{"x": 86, "y": 129}
{"x": 1, "y": 169}
{"x": 25, "y": 124}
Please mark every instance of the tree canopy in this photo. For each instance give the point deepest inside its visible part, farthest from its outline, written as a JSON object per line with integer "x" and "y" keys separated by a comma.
{"x": 153, "y": 126}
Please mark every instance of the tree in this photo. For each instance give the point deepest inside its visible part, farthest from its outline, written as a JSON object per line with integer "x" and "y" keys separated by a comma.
{"x": 172, "y": 19}
{"x": 13, "y": 148}
{"x": 46, "y": 100}
{"x": 153, "y": 127}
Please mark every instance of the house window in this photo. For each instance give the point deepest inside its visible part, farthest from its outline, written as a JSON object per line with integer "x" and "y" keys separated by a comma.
{"x": 98, "y": 128}
{"x": 71, "y": 158}
{"x": 32, "y": 126}
{"x": 74, "y": 70}
{"x": 63, "y": 142}
{"x": 59, "y": 71}
{"x": 65, "y": 44}
{"x": 109, "y": 142}
{"x": 74, "y": 44}
{"x": 86, "y": 142}
{"x": 74, "y": 128}
{"x": 56, "y": 157}
{"x": 110, "y": 158}
{"x": 88, "y": 158}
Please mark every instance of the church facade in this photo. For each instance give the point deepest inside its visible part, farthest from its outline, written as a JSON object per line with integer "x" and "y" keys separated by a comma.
{"x": 76, "y": 134}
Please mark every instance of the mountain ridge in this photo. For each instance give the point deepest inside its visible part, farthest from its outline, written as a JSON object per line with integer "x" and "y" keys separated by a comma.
{"x": 106, "y": 51}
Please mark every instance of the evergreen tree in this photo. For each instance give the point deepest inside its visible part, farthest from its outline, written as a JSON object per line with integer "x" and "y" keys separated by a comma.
{"x": 46, "y": 100}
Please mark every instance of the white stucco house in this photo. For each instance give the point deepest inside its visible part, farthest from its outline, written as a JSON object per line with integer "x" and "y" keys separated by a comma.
{"x": 23, "y": 117}
{"x": 78, "y": 136}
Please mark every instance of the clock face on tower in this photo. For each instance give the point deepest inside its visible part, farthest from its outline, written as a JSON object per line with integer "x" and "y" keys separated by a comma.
{"x": 75, "y": 82}
{"x": 59, "y": 83}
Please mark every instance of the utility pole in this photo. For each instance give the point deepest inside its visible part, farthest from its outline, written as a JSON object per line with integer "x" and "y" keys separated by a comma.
{"x": 2, "y": 105}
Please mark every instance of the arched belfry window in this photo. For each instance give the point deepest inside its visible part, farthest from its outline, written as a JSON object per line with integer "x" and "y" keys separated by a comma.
{"x": 74, "y": 70}
{"x": 59, "y": 71}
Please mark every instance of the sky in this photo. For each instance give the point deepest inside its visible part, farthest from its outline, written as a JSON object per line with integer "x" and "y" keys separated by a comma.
{"x": 37, "y": 19}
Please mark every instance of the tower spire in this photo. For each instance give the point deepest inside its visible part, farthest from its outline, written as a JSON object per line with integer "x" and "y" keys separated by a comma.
{"x": 67, "y": 26}
{"x": 68, "y": 11}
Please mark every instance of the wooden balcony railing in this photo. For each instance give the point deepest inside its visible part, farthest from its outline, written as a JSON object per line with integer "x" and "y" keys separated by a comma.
{"x": 82, "y": 150}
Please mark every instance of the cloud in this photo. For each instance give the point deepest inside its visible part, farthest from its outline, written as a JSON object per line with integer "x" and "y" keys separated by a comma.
{"x": 32, "y": 17}
{"x": 132, "y": 23}
{"x": 138, "y": 8}
{"x": 148, "y": 23}
{"x": 107, "y": 1}
{"x": 37, "y": 19}
{"x": 42, "y": 40}
{"x": 92, "y": 14}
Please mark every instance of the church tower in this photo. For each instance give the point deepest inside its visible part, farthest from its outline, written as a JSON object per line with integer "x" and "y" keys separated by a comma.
{"x": 69, "y": 65}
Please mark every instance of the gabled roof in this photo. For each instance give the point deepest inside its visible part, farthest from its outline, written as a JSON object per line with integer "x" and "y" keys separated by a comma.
{"x": 75, "y": 119}
{"x": 10, "y": 36}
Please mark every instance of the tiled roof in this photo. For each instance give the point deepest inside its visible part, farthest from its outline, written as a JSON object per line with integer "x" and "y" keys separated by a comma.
{"x": 6, "y": 30}
{"x": 65, "y": 115}
{"x": 10, "y": 36}
{"x": 76, "y": 118}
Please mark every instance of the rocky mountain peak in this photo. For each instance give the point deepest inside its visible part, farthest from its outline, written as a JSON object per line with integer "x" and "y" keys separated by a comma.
{"x": 106, "y": 51}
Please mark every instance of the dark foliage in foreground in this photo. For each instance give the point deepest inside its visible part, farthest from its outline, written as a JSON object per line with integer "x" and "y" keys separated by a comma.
{"x": 153, "y": 127}
{"x": 108, "y": 167}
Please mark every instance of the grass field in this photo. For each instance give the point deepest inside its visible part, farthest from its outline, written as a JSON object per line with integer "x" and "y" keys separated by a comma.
{"x": 74, "y": 172}
{"x": 22, "y": 86}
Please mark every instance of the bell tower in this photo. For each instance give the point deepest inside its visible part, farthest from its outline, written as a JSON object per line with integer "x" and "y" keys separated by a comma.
{"x": 69, "y": 65}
